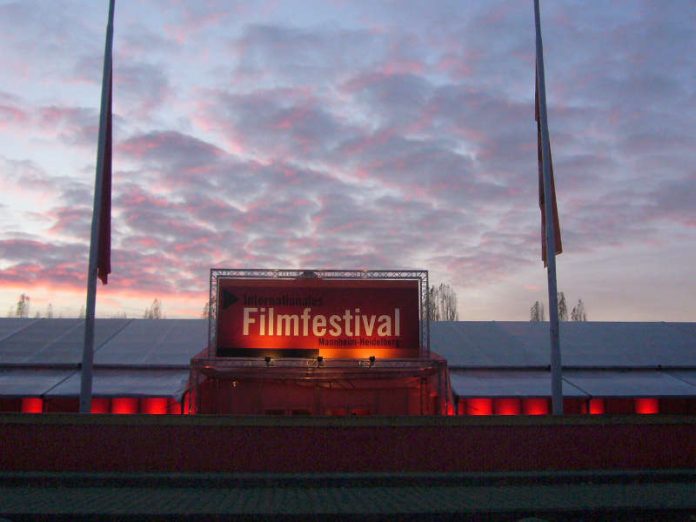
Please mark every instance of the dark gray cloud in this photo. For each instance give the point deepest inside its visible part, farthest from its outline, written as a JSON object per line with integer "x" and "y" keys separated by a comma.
{"x": 287, "y": 54}
{"x": 170, "y": 149}
{"x": 71, "y": 125}
{"x": 140, "y": 88}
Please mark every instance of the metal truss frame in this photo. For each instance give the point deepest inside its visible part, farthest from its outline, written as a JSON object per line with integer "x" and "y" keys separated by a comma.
{"x": 263, "y": 273}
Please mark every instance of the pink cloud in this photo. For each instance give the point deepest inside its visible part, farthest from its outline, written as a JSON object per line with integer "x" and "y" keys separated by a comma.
{"x": 12, "y": 117}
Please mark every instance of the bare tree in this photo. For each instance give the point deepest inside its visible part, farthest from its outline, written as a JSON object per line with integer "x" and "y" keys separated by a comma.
{"x": 578, "y": 312}
{"x": 442, "y": 303}
{"x": 562, "y": 307}
{"x": 448, "y": 303}
{"x": 23, "y": 305}
{"x": 433, "y": 311}
{"x": 154, "y": 311}
{"x": 49, "y": 311}
{"x": 536, "y": 312}
{"x": 205, "y": 313}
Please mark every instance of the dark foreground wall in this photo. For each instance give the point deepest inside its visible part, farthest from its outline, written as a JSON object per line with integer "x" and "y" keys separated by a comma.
{"x": 95, "y": 443}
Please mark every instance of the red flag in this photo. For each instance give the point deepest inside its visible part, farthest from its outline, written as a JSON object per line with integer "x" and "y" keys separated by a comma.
{"x": 104, "y": 257}
{"x": 542, "y": 203}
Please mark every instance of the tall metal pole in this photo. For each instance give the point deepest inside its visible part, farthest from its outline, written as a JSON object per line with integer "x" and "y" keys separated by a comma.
{"x": 556, "y": 367}
{"x": 88, "y": 348}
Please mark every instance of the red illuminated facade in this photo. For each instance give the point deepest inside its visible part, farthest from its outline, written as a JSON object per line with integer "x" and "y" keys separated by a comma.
{"x": 339, "y": 318}
{"x": 334, "y": 343}
{"x": 420, "y": 398}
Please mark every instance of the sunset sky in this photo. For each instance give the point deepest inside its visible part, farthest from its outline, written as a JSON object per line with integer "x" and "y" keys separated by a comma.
{"x": 352, "y": 134}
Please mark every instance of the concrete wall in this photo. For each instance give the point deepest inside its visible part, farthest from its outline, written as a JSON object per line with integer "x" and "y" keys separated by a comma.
{"x": 375, "y": 444}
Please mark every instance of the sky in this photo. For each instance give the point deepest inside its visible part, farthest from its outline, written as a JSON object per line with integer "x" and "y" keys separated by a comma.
{"x": 352, "y": 135}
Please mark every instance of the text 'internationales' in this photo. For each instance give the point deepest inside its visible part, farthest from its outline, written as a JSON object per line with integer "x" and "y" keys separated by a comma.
{"x": 281, "y": 300}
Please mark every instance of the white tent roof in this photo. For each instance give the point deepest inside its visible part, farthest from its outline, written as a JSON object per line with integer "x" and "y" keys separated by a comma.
{"x": 41, "y": 357}
{"x": 496, "y": 344}
{"x": 630, "y": 384}
{"x": 22, "y": 382}
{"x": 127, "y": 382}
{"x": 151, "y": 357}
{"x": 497, "y": 383}
{"x": 497, "y": 359}
{"x": 155, "y": 342}
{"x": 576, "y": 383}
{"x": 46, "y": 342}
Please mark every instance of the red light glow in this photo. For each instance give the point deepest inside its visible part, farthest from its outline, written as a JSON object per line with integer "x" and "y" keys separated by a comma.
{"x": 32, "y": 405}
{"x": 124, "y": 405}
{"x": 479, "y": 406}
{"x": 507, "y": 406}
{"x": 597, "y": 407}
{"x": 538, "y": 406}
{"x": 647, "y": 406}
{"x": 187, "y": 405}
{"x": 155, "y": 405}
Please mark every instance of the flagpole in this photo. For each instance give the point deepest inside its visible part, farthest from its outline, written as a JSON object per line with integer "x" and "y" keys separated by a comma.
{"x": 95, "y": 239}
{"x": 549, "y": 201}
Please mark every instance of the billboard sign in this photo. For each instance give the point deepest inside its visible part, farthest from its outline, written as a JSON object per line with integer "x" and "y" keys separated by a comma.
{"x": 307, "y": 317}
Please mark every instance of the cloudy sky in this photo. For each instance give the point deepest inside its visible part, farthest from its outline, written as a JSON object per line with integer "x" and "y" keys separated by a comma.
{"x": 346, "y": 134}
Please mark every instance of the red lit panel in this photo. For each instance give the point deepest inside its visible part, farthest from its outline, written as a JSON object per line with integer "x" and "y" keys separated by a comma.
{"x": 32, "y": 405}
{"x": 647, "y": 406}
{"x": 507, "y": 406}
{"x": 537, "y": 406}
{"x": 124, "y": 405}
{"x": 597, "y": 407}
{"x": 155, "y": 405}
{"x": 174, "y": 407}
{"x": 480, "y": 406}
